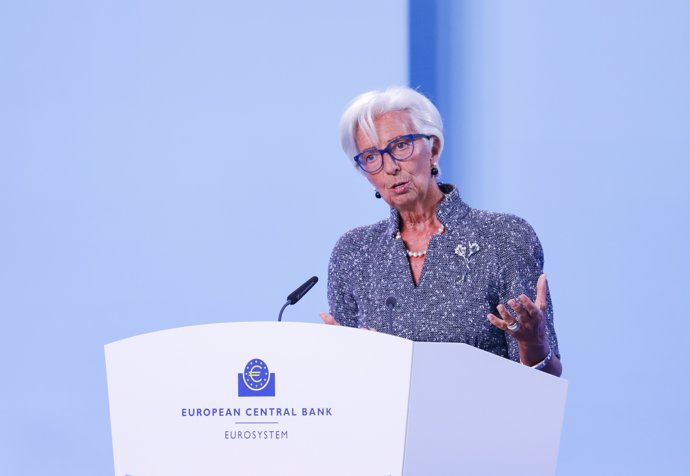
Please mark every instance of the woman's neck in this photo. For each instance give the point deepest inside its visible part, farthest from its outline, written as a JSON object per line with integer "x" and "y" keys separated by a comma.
{"x": 422, "y": 216}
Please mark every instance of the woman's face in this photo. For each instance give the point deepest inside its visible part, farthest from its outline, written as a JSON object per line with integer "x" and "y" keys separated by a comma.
{"x": 402, "y": 184}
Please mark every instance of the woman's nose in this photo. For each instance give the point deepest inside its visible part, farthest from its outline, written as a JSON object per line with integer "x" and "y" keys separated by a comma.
{"x": 390, "y": 165}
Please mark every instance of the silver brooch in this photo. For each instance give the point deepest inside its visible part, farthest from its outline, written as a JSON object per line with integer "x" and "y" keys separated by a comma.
{"x": 466, "y": 251}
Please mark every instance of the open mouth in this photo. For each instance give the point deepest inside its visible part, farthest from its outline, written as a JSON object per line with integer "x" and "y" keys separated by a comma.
{"x": 399, "y": 186}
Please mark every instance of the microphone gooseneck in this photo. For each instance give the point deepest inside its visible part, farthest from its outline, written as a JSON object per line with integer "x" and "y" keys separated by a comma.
{"x": 280, "y": 314}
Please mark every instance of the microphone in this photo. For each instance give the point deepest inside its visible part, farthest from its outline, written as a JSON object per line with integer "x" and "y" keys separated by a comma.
{"x": 298, "y": 294}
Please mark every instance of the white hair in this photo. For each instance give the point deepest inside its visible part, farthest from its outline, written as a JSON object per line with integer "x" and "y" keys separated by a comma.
{"x": 364, "y": 108}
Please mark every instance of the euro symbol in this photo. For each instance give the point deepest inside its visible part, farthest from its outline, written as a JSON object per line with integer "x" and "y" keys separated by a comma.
{"x": 255, "y": 374}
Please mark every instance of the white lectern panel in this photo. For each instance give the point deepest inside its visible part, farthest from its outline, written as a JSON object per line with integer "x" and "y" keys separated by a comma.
{"x": 321, "y": 400}
{"x": 475, "y": 413}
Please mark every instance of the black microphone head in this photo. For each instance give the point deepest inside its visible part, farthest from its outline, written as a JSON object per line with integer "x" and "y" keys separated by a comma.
{"x": 298, "y": 293}
{"x": 391, "y": 302}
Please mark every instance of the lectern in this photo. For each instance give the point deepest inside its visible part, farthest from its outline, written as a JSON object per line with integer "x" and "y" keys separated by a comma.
{"x": 266, "y": 398}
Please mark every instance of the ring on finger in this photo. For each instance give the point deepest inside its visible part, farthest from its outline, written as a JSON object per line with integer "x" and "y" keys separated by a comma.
{"x": 514, "y": 326}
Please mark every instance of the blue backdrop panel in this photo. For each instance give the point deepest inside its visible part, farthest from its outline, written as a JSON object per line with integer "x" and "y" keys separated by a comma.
{"x": 575, "y": 116}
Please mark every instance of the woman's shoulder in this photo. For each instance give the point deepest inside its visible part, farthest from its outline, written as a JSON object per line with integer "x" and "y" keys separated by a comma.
{"x": 361, "y": 236}
{"x": 503, "y": 226}
{"x": 497, "y": 224}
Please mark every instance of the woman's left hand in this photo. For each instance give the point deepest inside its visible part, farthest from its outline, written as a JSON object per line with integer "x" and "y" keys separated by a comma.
{"x": 530, "y": 317}
{"x": 530, "y": 331}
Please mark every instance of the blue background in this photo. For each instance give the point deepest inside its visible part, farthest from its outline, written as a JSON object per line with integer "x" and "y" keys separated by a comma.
{"x": 576, "y": 116}
{"x": 173, "y": 163}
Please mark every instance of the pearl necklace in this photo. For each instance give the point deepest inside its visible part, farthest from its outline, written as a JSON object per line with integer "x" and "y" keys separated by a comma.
{"x": 418, "y": 254}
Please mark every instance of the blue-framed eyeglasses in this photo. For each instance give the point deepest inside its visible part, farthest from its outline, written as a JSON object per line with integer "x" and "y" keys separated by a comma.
{"x": 401, "y": 148}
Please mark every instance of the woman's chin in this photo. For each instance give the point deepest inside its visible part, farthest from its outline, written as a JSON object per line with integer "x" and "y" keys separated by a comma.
{"x": 403, "y": 200}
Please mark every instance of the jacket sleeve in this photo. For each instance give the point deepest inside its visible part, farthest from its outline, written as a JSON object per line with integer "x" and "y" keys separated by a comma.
{"x": 521, "y": 267}
{"x": 341, "y": 281}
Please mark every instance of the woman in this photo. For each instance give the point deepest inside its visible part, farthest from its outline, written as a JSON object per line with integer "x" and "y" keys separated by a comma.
{"x": 436, "y": 270}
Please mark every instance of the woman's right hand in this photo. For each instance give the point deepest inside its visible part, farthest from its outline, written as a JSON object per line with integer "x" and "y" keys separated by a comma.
{"x": 328, "y": 319}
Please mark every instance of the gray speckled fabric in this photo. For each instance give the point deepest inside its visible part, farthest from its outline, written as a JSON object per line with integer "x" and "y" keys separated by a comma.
{"x": 484, "y": 259}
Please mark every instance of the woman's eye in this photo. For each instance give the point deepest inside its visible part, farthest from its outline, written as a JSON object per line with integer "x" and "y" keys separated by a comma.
{"x": 401, "y": 145}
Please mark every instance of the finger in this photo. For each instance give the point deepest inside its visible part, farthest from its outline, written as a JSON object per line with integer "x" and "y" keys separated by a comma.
{"x": 534, "y": 311}
{"x": 500, "y": 323}
{"x": 516, "y": 305}
{"x": 541, "y": 292}
{"x": 328, "y": 319}
{"x": 507, "y": 316}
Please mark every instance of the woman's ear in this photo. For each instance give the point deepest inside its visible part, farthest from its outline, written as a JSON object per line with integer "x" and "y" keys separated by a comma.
{"x": 435, "y": 148}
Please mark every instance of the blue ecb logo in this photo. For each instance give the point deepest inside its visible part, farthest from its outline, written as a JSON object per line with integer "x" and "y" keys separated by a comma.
{"x": 256, "y": 381}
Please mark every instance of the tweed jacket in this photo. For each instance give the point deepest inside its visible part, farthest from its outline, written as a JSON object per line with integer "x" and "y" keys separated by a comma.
{"x": 482, "y": 260}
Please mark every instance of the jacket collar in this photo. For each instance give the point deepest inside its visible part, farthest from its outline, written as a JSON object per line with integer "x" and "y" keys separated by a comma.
{"x": 449, "y": 209}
